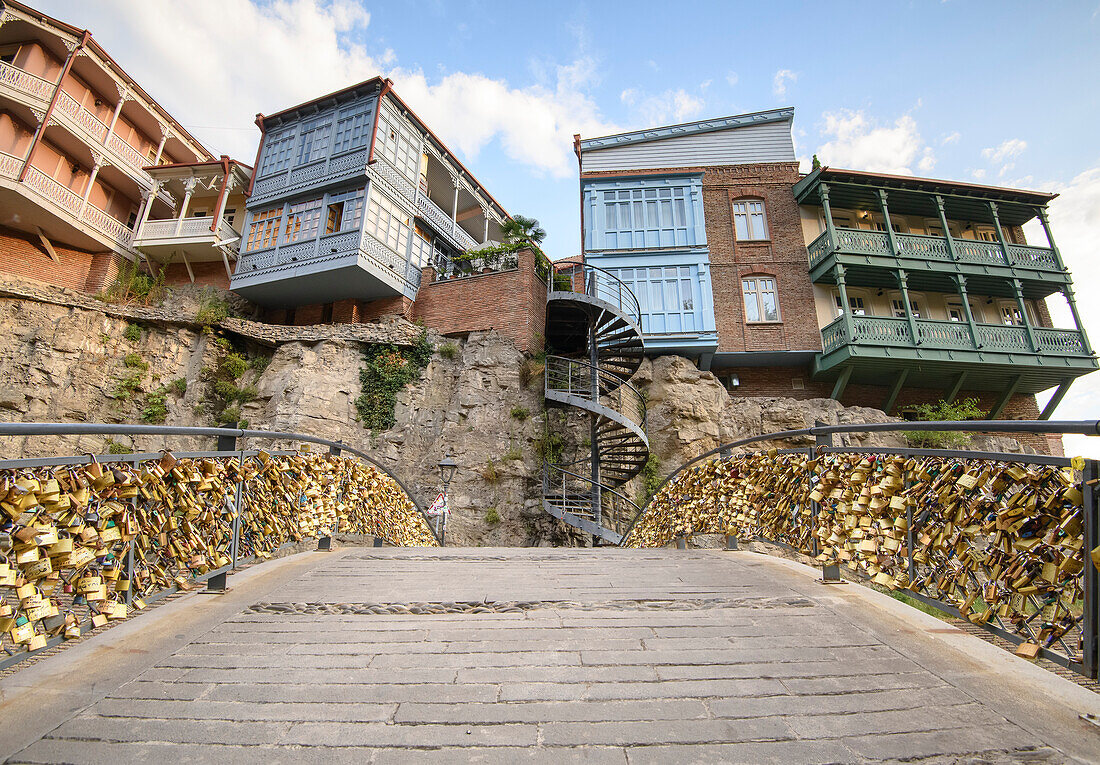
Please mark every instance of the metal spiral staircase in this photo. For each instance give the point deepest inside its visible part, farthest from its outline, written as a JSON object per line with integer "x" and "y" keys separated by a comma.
{"x": 593, "y": 321}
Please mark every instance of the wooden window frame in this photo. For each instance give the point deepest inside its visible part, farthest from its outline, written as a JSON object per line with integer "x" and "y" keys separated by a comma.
{"x": 748, "y": 214}
{"x": 758, "y": 292}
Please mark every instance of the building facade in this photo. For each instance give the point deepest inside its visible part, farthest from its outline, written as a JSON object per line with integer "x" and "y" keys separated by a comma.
{"x": 79, "y": 144}
{"x": 873, "y": 289}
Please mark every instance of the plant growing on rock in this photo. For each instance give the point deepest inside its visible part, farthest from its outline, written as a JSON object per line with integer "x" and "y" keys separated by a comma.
{"x": 520, "y": 413}
{"x": 179, "y": 386}
{"x": 132, "y": 333}
{"x": 492, "y": 516}
{"x": 213, "y": 309}
{"x": 490, "y": 473}
{"x": 963, "y": 409}
{"x": 156, "y": 407}
{"x": 387, "y": 369}
{"x": 448, "y": 350}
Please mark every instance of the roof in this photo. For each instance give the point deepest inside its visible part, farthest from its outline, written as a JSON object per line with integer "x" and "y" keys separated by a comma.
{"x": 687, "y": 128}
{"x": 210, "y": 163}
{"x": 378, "y": 81}
{"x": 94, "y": 45}
{"x": 908, "y": 194}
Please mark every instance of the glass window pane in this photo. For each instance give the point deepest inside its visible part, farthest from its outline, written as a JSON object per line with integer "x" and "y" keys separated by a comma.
{"x": 771, "y": 311}
{"x": 752, "y": 307}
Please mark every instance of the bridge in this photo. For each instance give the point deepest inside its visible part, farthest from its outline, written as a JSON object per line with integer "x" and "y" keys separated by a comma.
{"x": 390, "y": 647}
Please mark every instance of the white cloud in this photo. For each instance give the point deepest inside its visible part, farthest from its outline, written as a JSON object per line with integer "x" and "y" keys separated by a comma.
{"x": 861, "y": 143}
{"x": 952, "y": 138}
{"x": 1003, "y": 154}
{"x": 190, "y": 56}
{"x": 779, "y": 83}
{"x": 670, "y": 106}
{"x": 731, "y": 78}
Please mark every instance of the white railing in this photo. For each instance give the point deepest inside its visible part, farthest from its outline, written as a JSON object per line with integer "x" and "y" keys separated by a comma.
{"x": 188, "y": 229}
{"x": 72, "y": 202}
{"x": 9, "y": 165}
{"x": 127, "y": 152}
{"x": 52, "y": 190}
{"x": 81, "y": 116}
{"x": 113, "y": 228}
{"x": 444, "y": 225}
{"x": 26, "y": 82}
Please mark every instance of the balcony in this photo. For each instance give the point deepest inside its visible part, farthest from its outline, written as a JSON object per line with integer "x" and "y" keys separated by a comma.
{"x": 193, "y": 237}
{"x": 66, "y": 205}
{"x": 877, "y": 347}
{"x": 929, "y": 262}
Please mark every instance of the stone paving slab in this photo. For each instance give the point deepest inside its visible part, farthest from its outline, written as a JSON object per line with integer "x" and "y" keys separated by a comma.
{"x": 748, "y": 662}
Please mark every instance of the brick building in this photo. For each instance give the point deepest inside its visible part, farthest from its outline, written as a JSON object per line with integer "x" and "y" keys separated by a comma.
{"x": 873, "y": 289}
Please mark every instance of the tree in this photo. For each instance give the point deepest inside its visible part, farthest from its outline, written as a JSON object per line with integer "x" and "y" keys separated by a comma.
{"x": 817, "y": 163}
{"x": 525, "y": 230}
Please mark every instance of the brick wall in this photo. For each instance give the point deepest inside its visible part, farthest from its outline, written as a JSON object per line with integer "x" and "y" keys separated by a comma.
{"x": 208, "y": 272}
{"x": 23, "y": 255}
{"x": 511, "y": 302}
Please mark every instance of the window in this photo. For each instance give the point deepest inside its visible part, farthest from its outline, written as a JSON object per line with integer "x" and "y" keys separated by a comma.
{"x": 854, "y": 301}
{"x": 264, "y": 229}
{"x": 898, "y": 307}
{"x": 277, "y": 153}
{"x": 955, "y": 310}
{"x": 666, "y": 296}
{"x": 387, "y": 222}
{"x": 421, "y": 247}
{"x": 302, "y": 221}
{"x": 353, "y": 128}
{"x": 651, "y": 217}
{"x": 344, "y": 211}
{"x": 761, "y": 301}
{"x": 748, "y": 219}
{"x": 1010, "y": 315}
{"x": 230, "y": 216}
{"x": 326, "y": 313}
{"x": 397, "y": 142}
{"x": 314, "y": 142}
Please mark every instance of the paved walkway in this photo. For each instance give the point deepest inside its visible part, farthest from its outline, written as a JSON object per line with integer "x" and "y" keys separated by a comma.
{"x": 583, "y": 656}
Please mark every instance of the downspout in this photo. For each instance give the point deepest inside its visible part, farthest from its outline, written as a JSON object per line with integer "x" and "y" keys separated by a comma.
{"x": 84, "y": 38}
{"x": 256, "y": 162}
{"x": 219, "y": 209}
{"x": 387, "y": 86}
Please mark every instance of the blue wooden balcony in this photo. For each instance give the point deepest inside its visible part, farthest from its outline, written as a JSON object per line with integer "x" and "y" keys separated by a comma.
{"x": 874, "y": 349}
{"x": 931, "y": 260}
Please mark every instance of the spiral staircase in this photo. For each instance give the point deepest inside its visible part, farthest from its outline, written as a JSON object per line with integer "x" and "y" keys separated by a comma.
{"x": 593, "y": 324}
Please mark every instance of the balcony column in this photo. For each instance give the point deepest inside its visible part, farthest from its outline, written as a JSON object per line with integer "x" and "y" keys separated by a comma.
{"x": 1067, "y": 292}
{"x": 91, "y": 181}
{"x": 123, "y": 97}
{"x": 960, "y": 282}
{"x": 485, "y": 236}
{"x": 160, "y": 146}
{"x": 1042, "y": 213}
{"x": 188, "y": 188}
{"x": 454, "y": 207}
{"x": 830, "y": 229}
{"x": 903, "y": 285}
{"x": 946, "y": 228}
{"x": 846, "y": 311}
{"x": 147, "y": 196}
{"x": 1000, "y": 233}
{"x": 890, "y": 230}
{"x": 1018, "y": 290}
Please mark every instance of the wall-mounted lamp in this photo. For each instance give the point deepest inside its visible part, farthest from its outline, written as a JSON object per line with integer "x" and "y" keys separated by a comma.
{"x": 734, "y": 381}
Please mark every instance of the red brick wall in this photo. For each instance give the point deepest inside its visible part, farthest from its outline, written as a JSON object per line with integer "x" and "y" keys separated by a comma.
{"x": 23, "y": 255}
{"x": 209, "y": 272}
{"x": 511, "y": 302}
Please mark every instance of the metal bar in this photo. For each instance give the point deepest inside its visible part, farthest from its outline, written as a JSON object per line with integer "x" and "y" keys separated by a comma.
{"x": 1056, "y": 399}
{"x": 1033, "y": 459}
{"x": 1090, "y": 624}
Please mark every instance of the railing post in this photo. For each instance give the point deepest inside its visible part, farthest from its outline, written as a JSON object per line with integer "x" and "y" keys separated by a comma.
{"x": 830, "y": 229}
{"x": 1090, "y": 622}
{"x": 1021, "y": 306}
{"x": 236, "y": 543}
{"x": 821, "y": 441}
{"x": 960, "y": 282}
{"x": 912, "y": 566}
{"x": 130, "y": 559}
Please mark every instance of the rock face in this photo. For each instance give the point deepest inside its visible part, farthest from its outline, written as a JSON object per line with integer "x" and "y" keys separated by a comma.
{"x": 69, "y": 363}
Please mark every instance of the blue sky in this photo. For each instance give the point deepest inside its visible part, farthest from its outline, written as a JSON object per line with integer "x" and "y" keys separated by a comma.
{"x": 995, "y": 92}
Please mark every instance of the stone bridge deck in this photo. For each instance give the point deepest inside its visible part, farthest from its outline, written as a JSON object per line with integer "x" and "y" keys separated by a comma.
{"x": 588, "y": 655}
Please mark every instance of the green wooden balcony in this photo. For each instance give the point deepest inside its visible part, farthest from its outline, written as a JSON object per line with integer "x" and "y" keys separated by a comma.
{"x": 994, "y": 356}
{"x": 869, "y": 261}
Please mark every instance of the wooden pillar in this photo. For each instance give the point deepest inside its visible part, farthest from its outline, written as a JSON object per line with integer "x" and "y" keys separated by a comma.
{"x": 1042, "y": 213}
{"x": 1000, "y": 234}
{"x": 91, "y": 182}
{"x": 485, "y": 237}
{"x": 1002, "y": 402}
{"x": 160, "y": 146}
{"x": 1021, "y": 306}
{"x": 73, "y": 53}
{"x": 946, "y": 228}
{"x": 960, "y": 282}
{"x": 830, "y": 229}
{"x": 148, "y": 195}
{"x": 903, "y": 285}
{"x": 841, "y": 383}
{"x": 454, "y": 208}
{"x": 1067, "y": 292}
{"x": 951, "y": 394}
{"x": 895, "y": 389}
{"x": 122, "y": 97}
{"x": 1056, "y": 399}
{"x": 188, "y": 188}
{"x": 846, "y": 308}
{"x": 889, "y": 226}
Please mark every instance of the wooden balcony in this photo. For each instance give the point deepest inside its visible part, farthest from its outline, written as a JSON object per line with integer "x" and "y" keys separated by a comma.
{"x": 994, "y": 356}
{"x": 194, "y": 238}
{"x": 931, "y": 262}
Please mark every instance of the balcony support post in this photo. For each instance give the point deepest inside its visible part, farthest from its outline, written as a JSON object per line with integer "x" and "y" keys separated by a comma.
{"x": 122, "y": 98}
{"x": 946, "y": 228}
{"x": 1000, "y": 233}
{"x": 88, "y": 188}
{"x": 1041, "y": 212}
{"x": 1002, "y": 402}
{"x": 846, "y": 308}
{"x": 219, "y": 208}
{"x": 956, "y": 387}
{"x": 485, "y": 236}
{"x": 188, "y": 188}
{"x": 841, "y": 383}
{"x": 830, "y": 229}
{"x": 75, "y": 51}
{"x": 895, "y": 389}
{"x": 187, "y": 265}
{"x": 148, "y": 195}
{"x": 1056, "y": 399}
{"x": 1018, "y": 289}
{"x": 960, "y": 282}
{"x": 160, "y": 146}
{"x": 454, "y": 209}
{"x": 1067, "y": 292}
{"x": 903, "y": 285}
{"x": 882, "y": 195}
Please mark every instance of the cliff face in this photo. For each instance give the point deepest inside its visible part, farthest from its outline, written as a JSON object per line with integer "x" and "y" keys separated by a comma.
{"x": 74, "y": 360}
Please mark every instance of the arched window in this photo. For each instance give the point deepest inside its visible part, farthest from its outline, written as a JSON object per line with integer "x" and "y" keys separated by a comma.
{"x": 748, "y": 219}
{"x": 761, "y": 298}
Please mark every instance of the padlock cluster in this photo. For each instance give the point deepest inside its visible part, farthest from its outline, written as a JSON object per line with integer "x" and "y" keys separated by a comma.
{"x": 80, "y": 546}
{"x": 1001, "y": 542}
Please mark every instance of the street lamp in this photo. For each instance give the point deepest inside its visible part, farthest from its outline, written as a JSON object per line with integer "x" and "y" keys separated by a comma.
{"x": 447, "y": 468}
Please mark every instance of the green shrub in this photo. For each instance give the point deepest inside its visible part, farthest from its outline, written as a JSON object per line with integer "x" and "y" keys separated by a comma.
{"x": 963, "y": 409}
{"x": 492, "y": 517}
{"x": 513, "y": 453}
{"x": 247, "y": 393}
{"x": 530, "y": 370}
{"x": 134, "y": 361}
{"x": 229, "y": 416}
{"x": 127, "y": 386}
{"x": 132, "y": 333}
{"x": 242, "y": 424}
{"x": 233, "y": 365}
{"x": 178, "y": 386}
{"x": 520, "y": 413}
{"x": 448, "y": 350}
{"x": 651, "y": 479}
{"x": 133, "y": 286}
{"x": 387, "y": 369}
{"x": 226, "y": 390}
{"x": 490, "y": 473}
{"x": 114, "y": 447}
{"x": 549, "y": 448}
{"x": 212, "y": 309}
{"x": 156, "y": 407}
{"x": 259, "y": 363}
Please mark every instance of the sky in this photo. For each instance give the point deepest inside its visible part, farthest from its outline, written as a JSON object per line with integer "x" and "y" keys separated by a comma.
{"x": 999, "y": 92}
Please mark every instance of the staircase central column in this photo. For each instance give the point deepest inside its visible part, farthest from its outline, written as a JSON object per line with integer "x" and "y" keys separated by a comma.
{"x": 594, "y": 444}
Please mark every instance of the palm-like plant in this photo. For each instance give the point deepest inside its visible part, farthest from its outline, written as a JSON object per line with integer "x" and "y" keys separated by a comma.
{"x": 524, "y": 230}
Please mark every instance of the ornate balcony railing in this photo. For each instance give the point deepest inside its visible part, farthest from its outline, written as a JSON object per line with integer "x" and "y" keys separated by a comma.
{"x": 584, "y": 279}
{"x": 931, "y": 248}
{"x": 71, "y": 202}
{"x": 95, "y": 127}
{"x": 442, "y": 222}
{"x": 9, "y": 165}
{"x": 25, "y": 82}
{"x": 190, "y": 228}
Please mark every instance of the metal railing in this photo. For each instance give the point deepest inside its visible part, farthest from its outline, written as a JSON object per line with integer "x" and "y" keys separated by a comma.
{"x": 584, "y": 279}
{"x": 576, "y": 494}
{"x": 1010, "y": 542}
{"x": 86, "y": 539}
{"x": 575, "y": 378}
